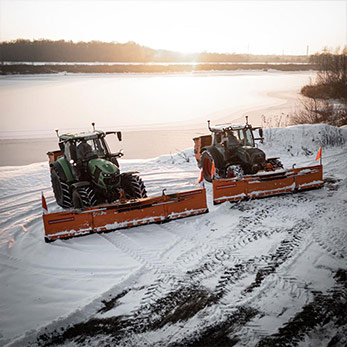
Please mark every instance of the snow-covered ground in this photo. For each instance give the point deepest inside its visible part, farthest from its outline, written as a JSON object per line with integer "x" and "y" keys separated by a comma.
{"x": 265, "y": 272}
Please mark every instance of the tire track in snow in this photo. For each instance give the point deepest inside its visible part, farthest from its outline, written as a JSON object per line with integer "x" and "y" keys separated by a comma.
{"x": 289, "y": 250}
{"x": 286, "y": 251}
{"x": 167, "y": 276}
{"x": 142, "y": 314}
{"x": 334, "y": 244}
{"x": 247, "y": 231}
{"x": 334, "y": 239}
{"x": 270, "y": 278}
{"x": 21, "y": 194}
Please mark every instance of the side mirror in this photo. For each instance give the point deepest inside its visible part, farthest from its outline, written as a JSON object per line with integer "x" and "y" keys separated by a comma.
{"x": 119, "y": 135}
{"x": 261, "y": 132}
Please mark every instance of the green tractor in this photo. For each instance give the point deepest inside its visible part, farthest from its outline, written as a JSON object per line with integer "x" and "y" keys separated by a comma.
{"x": 85, "y": 173}
{"x": 232, "y": 150}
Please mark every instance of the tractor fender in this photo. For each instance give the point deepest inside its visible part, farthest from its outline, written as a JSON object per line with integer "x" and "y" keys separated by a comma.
{"x": 81, "y": 184}
{"x": 63, "y": 169}
{"x": 217, "y": 156}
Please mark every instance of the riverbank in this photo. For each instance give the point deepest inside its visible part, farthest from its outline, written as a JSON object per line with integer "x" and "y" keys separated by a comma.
{"x": 145, "y": 68}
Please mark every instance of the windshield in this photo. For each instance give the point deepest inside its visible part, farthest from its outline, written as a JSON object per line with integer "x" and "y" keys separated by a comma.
{"x": 235, "y": 137}
{"x": 92, "y": 146}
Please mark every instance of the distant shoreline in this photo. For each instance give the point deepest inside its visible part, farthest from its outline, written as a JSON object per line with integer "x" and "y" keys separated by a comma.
{"x": 24, "y": 69}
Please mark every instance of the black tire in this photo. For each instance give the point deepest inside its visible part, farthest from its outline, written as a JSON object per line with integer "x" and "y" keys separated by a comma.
{"x": 133, "y": 187}
{"x": 61, "y": 190}
{"x": 83, "y": 197}
{"x": 207, "y": 158}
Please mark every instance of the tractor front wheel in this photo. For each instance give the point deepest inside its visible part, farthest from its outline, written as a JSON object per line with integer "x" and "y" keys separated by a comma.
{"x": 133, "y": 187}
{"x": 83, "y": 197}
{"x": 60, "y": 189}
{"x": 234, "y": 171}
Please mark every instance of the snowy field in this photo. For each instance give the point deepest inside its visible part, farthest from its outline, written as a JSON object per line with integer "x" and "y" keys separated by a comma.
{"x": 267, "y": 272}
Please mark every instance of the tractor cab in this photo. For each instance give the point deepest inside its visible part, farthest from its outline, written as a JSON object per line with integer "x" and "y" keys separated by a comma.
{"x": 80, "y": 148}
{"x": 232, "y": 135}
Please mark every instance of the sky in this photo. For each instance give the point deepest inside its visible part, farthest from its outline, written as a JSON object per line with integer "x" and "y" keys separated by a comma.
{"x": 258, "y": 27}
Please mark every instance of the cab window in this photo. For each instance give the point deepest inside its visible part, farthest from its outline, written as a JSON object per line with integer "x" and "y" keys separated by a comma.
{"x": 249, "y": 138}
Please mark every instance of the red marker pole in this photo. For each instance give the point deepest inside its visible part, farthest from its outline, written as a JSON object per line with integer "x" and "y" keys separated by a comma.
{"x": 319, "y": 155}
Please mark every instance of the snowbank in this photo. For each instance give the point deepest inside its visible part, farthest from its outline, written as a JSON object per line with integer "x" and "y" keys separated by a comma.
{"x": 303, "y": 140}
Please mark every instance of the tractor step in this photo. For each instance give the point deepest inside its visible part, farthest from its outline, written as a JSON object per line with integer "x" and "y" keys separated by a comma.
{"x": 103, "y": 218}
{"x": 267, "y": 183}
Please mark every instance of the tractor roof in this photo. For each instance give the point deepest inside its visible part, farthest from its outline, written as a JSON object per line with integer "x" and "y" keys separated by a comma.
{"x": 228, "y": 126}
{"x": 82, "y": 135}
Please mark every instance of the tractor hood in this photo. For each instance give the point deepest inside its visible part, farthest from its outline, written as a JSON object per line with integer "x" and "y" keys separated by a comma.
{"x": 98, "y": 166}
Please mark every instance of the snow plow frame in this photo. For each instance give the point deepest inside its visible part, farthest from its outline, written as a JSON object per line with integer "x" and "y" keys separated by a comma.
{"x": 121, "y": 215}
{"x": 265, "y": 184}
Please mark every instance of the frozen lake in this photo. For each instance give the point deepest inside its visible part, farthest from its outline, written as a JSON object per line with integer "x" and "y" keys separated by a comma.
{"x": 33, "y": 106}
{"x": 141, "y": 105}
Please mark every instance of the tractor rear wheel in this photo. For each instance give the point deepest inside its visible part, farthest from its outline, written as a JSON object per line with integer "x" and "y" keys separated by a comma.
{"x": 83, "y": 197}
{"x": 207, "y": 158}
{"x": 133, "y": 187}
{"x": 61, "y": 190}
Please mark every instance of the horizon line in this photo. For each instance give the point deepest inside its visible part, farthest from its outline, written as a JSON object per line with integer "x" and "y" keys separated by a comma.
{"x": 160, "y": 49}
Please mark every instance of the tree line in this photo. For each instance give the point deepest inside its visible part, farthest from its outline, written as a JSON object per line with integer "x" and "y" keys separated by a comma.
{"x": 97, "y": 51}
{"x": 326, "y": 98}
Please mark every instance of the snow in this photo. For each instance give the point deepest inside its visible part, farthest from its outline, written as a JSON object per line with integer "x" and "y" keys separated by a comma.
{"x": 300, "y": 239}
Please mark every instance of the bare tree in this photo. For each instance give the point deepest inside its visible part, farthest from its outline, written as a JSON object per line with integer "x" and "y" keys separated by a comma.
{"x": 325, "y": 99}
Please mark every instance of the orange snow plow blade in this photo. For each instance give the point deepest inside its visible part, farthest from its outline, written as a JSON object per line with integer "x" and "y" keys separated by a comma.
{"x": 62, "y": 225}
{"x": 267, "y": 183}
